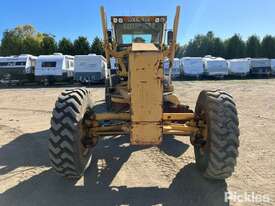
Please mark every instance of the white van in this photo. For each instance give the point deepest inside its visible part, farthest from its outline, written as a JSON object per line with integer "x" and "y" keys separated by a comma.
{"x": 90, "y": 68}
{"x": 52, "y": 68}
{"x": 17, "y": 69}
{"x": 239, "y": 67}
{"x": 192, "y": 66}
{"x": 215, "y": 66}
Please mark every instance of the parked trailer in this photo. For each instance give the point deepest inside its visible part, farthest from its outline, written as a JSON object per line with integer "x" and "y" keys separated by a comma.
{"x": 260, "y": 67}
{"x": 54, "y": 68}
{"x": 192, "y": 66}
{"x": 239, "y": 67}
{"x": 114, "y": 65}
{"x": 215, "y": 66}
{"x": 17, "y": 69}
{"x": 273, "y": 66}
{"x": 166, "y": 66}
{"x": 177, "y": 69}
{"x": 90, "y": 68}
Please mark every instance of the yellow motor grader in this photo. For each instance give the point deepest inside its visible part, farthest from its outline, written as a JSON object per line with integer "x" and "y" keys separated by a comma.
{"x": 140, "y": 103}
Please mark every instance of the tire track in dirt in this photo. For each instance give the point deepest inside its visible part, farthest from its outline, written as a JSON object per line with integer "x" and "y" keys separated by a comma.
{"x": 10, "y": 131}
{"x": 167, "y": 165}
{"x": 25, "y": 110}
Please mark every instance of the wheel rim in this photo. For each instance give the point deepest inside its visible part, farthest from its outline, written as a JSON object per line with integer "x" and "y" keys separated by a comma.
{"x": 84, "y": 133}
{"x": 84, "y": 151}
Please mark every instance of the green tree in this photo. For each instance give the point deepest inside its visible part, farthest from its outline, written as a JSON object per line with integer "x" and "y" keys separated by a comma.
{"x": 235, "y": 47}
{"x": 253, "y": 47}
{"x": 268, "y": 47}
{"x": 11, "y": 44}
{"x": 65, "y": 46}
{"x": 180, "y": 51}
{"x": 30, "y": 45}
{"x": 48, "y": 44}
{"x": 97, "y": 46}
{"x": 20, "y": 40}
{"x": 218, "y": 48}
{"x": 194, "y": 47}
{"x": 24, "y": 31}
{"x": 203, "y": 45}
{"x": 81, "y": 46}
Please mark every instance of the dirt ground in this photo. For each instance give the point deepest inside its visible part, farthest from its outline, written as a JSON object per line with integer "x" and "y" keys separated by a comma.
{"x": 124, "y": 175}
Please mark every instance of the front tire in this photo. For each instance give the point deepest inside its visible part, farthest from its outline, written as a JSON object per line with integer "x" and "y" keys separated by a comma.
{"x": 68, "y": 155}
{"x": 216, "y": 158}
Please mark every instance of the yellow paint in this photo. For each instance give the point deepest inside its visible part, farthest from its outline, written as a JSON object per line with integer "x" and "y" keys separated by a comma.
{"x": 141, "y": 64}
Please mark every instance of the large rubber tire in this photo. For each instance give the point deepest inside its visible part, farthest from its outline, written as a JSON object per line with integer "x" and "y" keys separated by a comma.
{"x": 217, "y": 158}
{"x": 68, "y": 156}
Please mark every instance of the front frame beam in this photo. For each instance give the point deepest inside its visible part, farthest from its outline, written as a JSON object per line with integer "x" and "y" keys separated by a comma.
{"x": 169, "y": 124}
{"x": 127, "y": 116}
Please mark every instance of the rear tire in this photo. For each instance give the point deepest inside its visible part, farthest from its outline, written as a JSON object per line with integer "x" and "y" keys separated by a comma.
{"x": 216, "y": 159}
{"x": 68, "y": 155}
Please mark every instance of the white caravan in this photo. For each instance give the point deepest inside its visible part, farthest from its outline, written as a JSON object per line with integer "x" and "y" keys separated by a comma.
{"x": 239, "y": 67}
{"x": 177, "y": 69}
{"x": 273, "y": 66}
{"x": 260, "y": 66}
{"x": 90, "y": 68}
{"x": 166, "y": 66}
{"x": 215, "y": 66}
{"x": 52, "y": 68}
{"x": 192, "y": 66}
{"x": 17, "y": 69}
{"x": 114, "y": 65}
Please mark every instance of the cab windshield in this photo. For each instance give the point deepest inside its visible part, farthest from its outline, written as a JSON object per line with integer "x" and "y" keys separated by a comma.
{"x": 127, "y": 33}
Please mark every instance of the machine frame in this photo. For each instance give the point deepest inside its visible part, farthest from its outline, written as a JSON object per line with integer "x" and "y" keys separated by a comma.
{"x": 148, "y": 128}
{"x": 140, "y": 103}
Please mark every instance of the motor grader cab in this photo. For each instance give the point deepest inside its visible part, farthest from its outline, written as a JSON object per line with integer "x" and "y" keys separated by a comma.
{"x": 141, "y": 104}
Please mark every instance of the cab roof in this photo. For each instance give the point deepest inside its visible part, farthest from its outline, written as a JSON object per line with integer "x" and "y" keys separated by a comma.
{"x": 139, "y": 19}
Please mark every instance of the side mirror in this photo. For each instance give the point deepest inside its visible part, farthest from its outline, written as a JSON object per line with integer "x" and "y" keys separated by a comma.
{"x": 109, "y": 33}
{"x": 169, "y": 37}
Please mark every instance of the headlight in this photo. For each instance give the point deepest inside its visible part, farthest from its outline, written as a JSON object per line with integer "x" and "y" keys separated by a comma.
{"x": 157, "y": 20}
{"x": 120, "y": 20}
{"x": 115, "y": 20}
